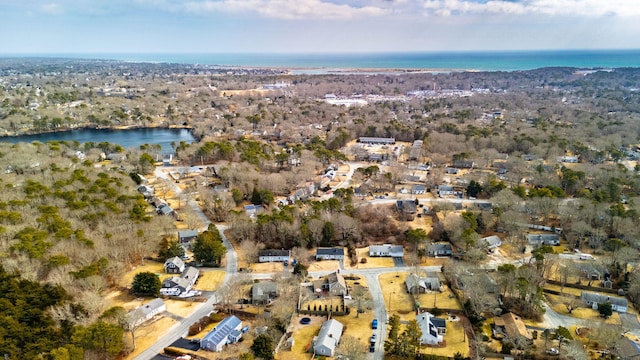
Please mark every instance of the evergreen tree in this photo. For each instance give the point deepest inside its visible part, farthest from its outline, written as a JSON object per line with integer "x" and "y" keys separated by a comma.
{"x": 208, "y": 247}
{"x": 262, "y": 347}
{"x": 146, "y": 284}
{"x": 392, "y": 345}
{"x": 411, "y": 339}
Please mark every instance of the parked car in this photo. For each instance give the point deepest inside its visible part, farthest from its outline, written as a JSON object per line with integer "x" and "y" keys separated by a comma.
{"x": 372, "y": 348}
{"x": 373, "y": 339}
{"x": 553, "y": 351}
{"x": 374, "y": 324}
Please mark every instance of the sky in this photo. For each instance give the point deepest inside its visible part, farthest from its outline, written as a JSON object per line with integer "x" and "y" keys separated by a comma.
{"x": 314, "y": 26}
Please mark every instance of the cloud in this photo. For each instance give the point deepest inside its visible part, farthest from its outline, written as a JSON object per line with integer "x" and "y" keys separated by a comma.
{"x": 582, "y": 8}
{"x": 286, "y": 9}
{"x": 51, "y": 9}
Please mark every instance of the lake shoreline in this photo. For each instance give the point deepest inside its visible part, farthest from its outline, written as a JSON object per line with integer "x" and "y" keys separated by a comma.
{"x": 98, "y": 127}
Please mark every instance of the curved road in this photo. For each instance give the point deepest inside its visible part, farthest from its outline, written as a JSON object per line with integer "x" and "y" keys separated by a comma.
{"x": 181, "y": 328}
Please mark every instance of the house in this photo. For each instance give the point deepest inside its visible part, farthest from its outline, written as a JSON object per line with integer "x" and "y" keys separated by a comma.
{"x": 228, "y": 331}
{"x": 274, "y": 255}
{"x": 417, "y": 285}
{"x": 333, "y": 283}
{"x": 329, "y": 253}
{"x": 511, "y": 326}
{"x": 418, "y": 189}
{"x": 484, "y": 280}
{"x": 146, "y": 312}
{"x": 406, "y": 206}
{"x": 376, "y": 141}
{"x": 492, "y": 241}
{"x": 175, "y": 286}
{"x": 174, "y": 265}
{"x": 432, "y": 328}
{"x": 386, "y": 250}
{"x": 463, "y": 164}
{"x": 593, "y": 299}
{"x": 146, "y": 191}
{"x": 440, "y": 249}
{"x": 191, "y": 274}
{"x": 543, "y": 239}
{"x": 452, "y": 171}
{"x": 328, "y": 338}
{"x": 186, "y": 236}
{"x": 445, "y": 190}
{"x": 627, "y": 349}
{"x": 156, "y": 202}
{"x": 165, "y": 209}
{"x": 262, "y": 293}
{"x": 360, "y": 192}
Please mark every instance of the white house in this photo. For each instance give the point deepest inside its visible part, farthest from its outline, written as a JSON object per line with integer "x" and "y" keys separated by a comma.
{"x": 174, "y": 265}
{"x": 328, "y": 338}
{"x": 433, "y": 329}
{"x": 228, "y": 331}
{"x": 146, "y": 312}
{"x": 492, "y": 241}
{"x": 593, "y": 299}
{"x": 386, "y": 250}
{"x": 274, "y": 255}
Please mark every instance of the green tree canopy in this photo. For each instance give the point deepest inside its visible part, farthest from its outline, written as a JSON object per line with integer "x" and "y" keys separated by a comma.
{"x": 146, "y": 284}
{"x": 208, "y": 247}
{"x": 262, "y": 347}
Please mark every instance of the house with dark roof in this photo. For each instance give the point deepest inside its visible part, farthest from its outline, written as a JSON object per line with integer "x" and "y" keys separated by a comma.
{"x": 593, "y": 299}
{"x": 274, "y": 255}
{"x": 228, "y": 331}
{"x": 328, "y": 338}
{"x": 433, "y": 329}
{"x": 187, "y": 236}
{"x": 418, "y": 189}
{"x": 175, "y": 286}
{"x": 406, "y": 206}
{"x": 332, "y": 253}
{"x": 146, "y": 312}
{"x": 387, "y": 250}
{"x": 263, "y": 292}
{"x": 376, "y": 141}
{"x": 174, "y": 265}
{"x": 543, "y": 239}
{"x": 440, "y": 249}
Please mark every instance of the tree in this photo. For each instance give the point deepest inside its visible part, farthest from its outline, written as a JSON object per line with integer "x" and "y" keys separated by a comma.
{"x": 392, "y": 344}
{"x": 170, "y": 248}
{"x": 146, "y": 163}
{"x": 411, "y": 339}
{"x": 362, "y": 298}
{"x": 146, "y": 284}
{"x": 474, "y": 188}
{"x": 416, "y": 237}
{"x": 262, "y": 347}
{"x": 605, "y": 309}
{"x": 101, "y": 338}
{"x": 352, "y": 348}
{"x": 208, "y": 247}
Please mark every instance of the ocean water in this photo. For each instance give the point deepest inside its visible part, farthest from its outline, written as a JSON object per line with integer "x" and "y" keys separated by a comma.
{"x": 437, "y": 61}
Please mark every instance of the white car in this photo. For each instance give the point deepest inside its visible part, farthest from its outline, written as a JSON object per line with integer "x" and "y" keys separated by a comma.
{"x": 553, "y": 351}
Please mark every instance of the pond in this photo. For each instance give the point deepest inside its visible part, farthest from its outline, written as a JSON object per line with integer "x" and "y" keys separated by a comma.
{"x": 128, "y": 138}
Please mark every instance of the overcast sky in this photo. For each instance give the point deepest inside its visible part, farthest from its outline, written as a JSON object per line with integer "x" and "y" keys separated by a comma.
{"x": 302, "y": 26}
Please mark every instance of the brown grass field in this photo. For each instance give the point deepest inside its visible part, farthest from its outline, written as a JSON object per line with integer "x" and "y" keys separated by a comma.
{"x": 324, "y": 265}
{"x": 372, "y": 262}
{"x": 210, "y": 280}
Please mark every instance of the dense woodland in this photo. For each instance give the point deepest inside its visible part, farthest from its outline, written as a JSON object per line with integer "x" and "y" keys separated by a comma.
{"x": 70, "y": 225}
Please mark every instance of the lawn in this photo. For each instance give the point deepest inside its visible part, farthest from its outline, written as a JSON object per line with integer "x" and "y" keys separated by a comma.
{"x": 455, "y": 341}
{"x": 372, "y": 262}
{"x": 147, "y": 335}
{"x": 397, "y": 300}
{"x": 566, "y": 290}
{"x": 210, "y": 280}
{"x": 586, "y": 313}
{"x": 268, "y": 267}
{"x": 357, "y": 326}
{"x": 443, "y": 300}
{"x": 302, "y": 340}
{"x": 324, "y": 265}
{"x": 149, "y": 266}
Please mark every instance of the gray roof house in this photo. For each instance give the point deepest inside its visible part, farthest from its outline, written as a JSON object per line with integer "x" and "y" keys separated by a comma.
{"x": 432, "y": 328}
{"x": 334, "y": 283}
{"x": 185, "y": 236}
{"x": 174, "y": 265}
{"x": 175, "y": 286}
{"x": 416, "y": 285}
{"x": 274, "y": 255}
{"x": 328, "y": 338}
{"x": 146, "y": 312}
{"x": 226, "y": 332}
{"x": 418, "y": 189}
{"x": 593, "y": 299}
{"x": 492, "y": 241}
{"x": 440, "y": 249}
{"x": 262, "y": 293}
{"x": 191, "y": 274}
{"x": 386, "y": 250}
{"x": 406, "y": 206}
{"x": 329, "y": 253}
{"x": 543, "y": 239}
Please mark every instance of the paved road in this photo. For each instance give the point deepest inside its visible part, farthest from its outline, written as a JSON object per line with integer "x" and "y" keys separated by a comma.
{"x": 181, "y": 328}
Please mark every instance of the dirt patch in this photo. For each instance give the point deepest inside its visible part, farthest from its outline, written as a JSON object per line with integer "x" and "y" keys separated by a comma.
{"x": 267, "y": 267}
{"x": 324, "y": 265}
